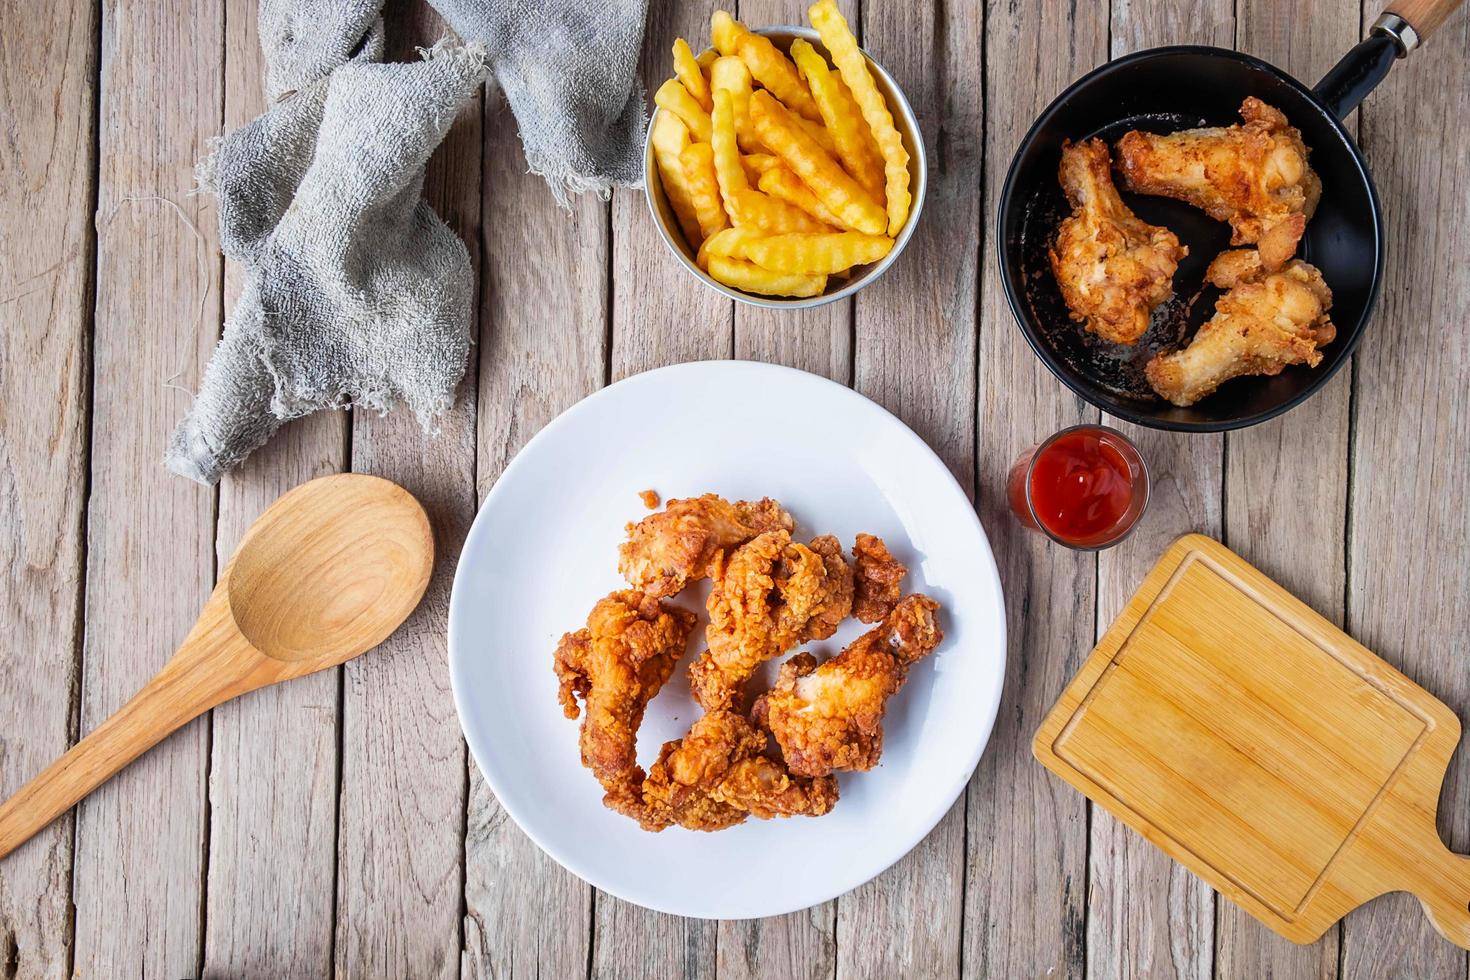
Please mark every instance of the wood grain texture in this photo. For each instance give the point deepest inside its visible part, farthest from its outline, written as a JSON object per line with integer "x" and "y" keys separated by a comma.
{"x": 1147, "y": 915}
{"x": 660, "y": 315}
{"x": 401, "y": 835}
{"x": 1409, "y": 526}
{"x": 48, "y": 91}
{"x": 541, "y": 350}
{"x": 157, "y": 317}
{"x": 273, "y": 763}
{"x": 1286, "y": 480}
{"x": 1026, "y": 859}
{"x": 914, "y": 353}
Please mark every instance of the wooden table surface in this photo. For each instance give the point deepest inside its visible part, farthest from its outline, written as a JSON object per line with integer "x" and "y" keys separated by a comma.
{"x": 337, "y": 826}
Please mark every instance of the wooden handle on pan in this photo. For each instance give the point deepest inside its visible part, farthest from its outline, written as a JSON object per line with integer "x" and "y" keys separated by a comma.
{"x": 1424, "y": 16}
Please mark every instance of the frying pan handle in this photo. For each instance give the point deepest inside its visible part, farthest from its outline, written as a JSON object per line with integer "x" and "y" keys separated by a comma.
{"x": 1397, "y": 31}
{"x": 1411, "y": 21}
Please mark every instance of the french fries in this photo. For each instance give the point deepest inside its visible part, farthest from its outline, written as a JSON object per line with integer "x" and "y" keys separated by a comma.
{"x": 689, "y": 72}
{"x": 698, "y": 160}
{"x": 815, "y": 255}
{"x": 837, "y": 191}
{"x": 848, "y": 128}
{"x": 832, "y": 28}
{"x": 785, "y": 172}
{"x": 669, "y": 138}
{"x": 673, "y": 96}
{"x": 751, "y": 278}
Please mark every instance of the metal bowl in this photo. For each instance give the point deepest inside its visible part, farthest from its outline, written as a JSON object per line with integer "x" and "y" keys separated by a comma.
{"x": 908, "y": 128}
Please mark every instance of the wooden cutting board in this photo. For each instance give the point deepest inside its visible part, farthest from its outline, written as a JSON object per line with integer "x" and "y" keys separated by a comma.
{"x": 1262, "y": 748}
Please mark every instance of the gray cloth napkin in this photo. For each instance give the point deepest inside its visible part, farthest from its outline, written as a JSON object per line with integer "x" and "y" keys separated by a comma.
{"x": 356, "y": 292}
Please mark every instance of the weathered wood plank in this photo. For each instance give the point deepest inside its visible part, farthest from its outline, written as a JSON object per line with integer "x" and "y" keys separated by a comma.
{"x": 273, "y": 768}
{"x": 150, "y": 564}
{"x": 1025, "y": 891}
{"x": 914, "y": 353}
{"x": 541, "y": 350}
{"x": 1147, "y": 915}
{"x": 660, "y": 315}
{"x": 48, "y": 92}
{"x": 401, "y": 838}
{"x": 1286, "y": 481}
{"x": 1409, "y": 526}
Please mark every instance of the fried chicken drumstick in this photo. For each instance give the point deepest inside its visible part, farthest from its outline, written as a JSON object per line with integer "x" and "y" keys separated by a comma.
{"x": 1265, "y": 322}
{"x": 679, "y": 544}
{"x": 1254, "y": 175}
{"x": 829, "y": 718}
{"x": 1113, "y": 268}
{"x": 615, "y": 665}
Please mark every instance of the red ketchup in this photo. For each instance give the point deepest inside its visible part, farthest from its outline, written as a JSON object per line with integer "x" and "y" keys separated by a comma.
{"x": 1084, "y": 487}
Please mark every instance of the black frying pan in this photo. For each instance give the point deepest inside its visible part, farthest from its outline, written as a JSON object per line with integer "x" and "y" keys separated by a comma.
{"x": 1166, "y": 89}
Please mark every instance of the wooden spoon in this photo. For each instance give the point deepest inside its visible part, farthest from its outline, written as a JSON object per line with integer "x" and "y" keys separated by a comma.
{"x": 326, "y": 573}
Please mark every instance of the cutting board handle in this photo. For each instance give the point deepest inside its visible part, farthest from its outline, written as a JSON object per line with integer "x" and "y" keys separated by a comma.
{"x": 1442, "y": 886}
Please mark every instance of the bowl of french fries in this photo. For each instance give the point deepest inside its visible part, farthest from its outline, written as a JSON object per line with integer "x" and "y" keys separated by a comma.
{"x": 783, "y": 166}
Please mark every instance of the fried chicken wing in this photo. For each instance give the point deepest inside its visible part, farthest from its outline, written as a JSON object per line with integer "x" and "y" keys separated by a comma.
{"x": 769, "y": 595}
{"x": 615, "y": 665}
{"x": 830, "y": 717}
{"x": 1265, "y": 322}
{"x": 1254, "y": 175}
{"x": 668, "y": 550}
{"x": 877, "y": 579}
{"x": 718, "y": 774}
{"x": 1113, "y": 268}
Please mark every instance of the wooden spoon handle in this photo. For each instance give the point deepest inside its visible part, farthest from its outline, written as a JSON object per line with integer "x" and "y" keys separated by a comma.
{"x": 213, "y": 664}
{"x": 1425, "y": 16}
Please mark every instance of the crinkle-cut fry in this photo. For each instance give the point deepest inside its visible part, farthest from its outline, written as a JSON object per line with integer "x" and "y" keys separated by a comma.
{"x": 849, "y": 133}
{"x": 841, "y": 195}
{"x": 816, "y": 255}
{"x": 772, "y": 216}
{"x": 758, "y": 163}
{"x": 730, "y": 243}
{"x": 833, "y": 29}
{"x": 704, "y": 188}
{"x": 781, "y": 183}
{"x": 673, "y": 96}
{"x": 669, "y": 138}
{"x": 729, "y": 171}
{"x": 817, "y": 132}
{"x": 731, "y": 75}
{"x": 751, "y": 278}
{"x": 725, "y": 32}
{"x": 689, "y": 73}
{"x": 777, "y": 74}
{"x": 707, "y": 58}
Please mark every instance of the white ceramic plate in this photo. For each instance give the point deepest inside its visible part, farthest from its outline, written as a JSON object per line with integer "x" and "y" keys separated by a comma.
{"x": 544, "y": 549}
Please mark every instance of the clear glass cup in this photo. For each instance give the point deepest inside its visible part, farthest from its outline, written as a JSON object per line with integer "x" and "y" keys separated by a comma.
{"x": 1070, "y": 487}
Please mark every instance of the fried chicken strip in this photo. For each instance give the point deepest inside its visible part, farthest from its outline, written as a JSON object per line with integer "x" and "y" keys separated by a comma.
{"x": 1113, "y": 268}
{"x": 718, "y": 774}
{"x": 615, "y": 665}
{"x": 1265, "y": 322}
{"x": 1254, "y": 175}
{"x": 877, "y": 579}
{"x": 829, "y": 718}
{"x": 668, "y": 550}
{"x": 769, "y": 595}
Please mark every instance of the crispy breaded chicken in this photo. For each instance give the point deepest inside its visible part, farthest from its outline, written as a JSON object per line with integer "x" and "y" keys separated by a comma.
{"x": 1113, "y": 267}
{"x": 1254, "y": 175}
{"x": 718, "y": 774}
{"x": 615, "y": 666}
{"x": 1265, "y": 322}
{"x": 877, "y": 579}
{"x": 769, "y": 595}
{"x": 668, "y": 550}
{"x": 829, "y": 718}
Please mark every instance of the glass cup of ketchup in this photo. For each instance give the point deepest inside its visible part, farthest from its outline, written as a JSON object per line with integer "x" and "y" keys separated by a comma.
{"x": 1084, "y": 487}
